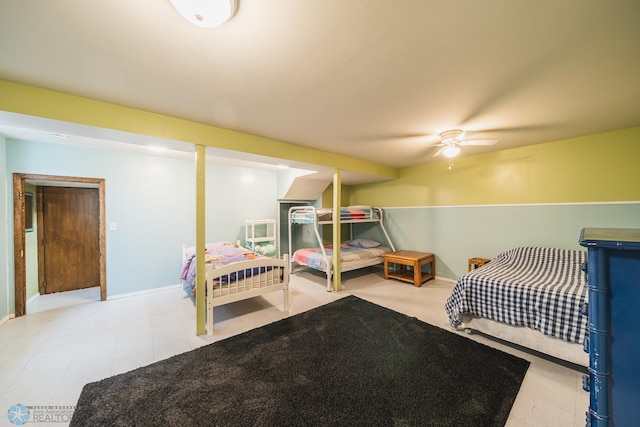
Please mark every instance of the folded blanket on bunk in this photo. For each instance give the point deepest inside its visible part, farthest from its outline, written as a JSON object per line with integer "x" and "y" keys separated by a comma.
{"x": 349, "y": 213}
{"x": 540, "y": 288}
{"x": 354, "y": 213}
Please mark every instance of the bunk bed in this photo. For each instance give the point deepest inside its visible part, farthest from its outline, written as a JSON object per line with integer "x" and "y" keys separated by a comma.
{"x": 531, "y": 296}
{"x": 235, "y": 273}
{"x": 354, "y": 253}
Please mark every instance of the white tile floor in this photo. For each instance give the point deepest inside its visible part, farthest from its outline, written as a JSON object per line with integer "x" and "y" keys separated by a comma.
{"x": 67, "y": 340}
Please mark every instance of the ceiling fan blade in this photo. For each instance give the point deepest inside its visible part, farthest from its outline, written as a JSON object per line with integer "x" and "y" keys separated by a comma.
{"x": 467, "y": 134}
{"x": 479, "y": 142}
{"x": 440, "y": 151}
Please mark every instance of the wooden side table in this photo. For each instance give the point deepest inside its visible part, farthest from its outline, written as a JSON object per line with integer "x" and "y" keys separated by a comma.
{"x": 477, "y": 262}
{"x": 404, "y": 259}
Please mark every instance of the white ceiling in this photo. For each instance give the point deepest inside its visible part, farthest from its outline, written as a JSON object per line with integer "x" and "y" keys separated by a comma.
{"x": 371, "y": 79}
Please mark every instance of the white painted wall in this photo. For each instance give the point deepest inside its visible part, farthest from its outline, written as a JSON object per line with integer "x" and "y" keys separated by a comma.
{"x": 151, "y": 199}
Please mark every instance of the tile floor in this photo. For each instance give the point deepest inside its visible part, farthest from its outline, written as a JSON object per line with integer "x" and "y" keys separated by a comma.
{"x": 67, "y": 340}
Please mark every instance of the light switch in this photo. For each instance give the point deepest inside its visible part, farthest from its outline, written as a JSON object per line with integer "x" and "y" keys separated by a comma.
{"x": 113, "y": 226}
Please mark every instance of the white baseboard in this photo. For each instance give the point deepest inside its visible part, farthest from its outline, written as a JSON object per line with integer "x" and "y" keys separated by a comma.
{"x": 446, "y": 279}
{"x": 146, "y": 291}
{"x": 6, "y": 318}
{"x": 33, "y": 298}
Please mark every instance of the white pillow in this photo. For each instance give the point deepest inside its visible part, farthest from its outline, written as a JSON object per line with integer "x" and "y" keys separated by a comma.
{"x": 363, "y": 243}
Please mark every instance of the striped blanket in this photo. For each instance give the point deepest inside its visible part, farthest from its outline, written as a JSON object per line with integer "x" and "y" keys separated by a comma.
{"x": 540, "y": 288}
{"x": 350, "y": 213}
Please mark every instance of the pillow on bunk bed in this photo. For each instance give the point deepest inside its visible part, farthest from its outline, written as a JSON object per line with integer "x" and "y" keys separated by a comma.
{"x": 363, "y": 243}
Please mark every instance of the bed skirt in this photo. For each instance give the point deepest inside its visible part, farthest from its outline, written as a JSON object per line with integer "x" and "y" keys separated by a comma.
{"x": 529, "y": 338}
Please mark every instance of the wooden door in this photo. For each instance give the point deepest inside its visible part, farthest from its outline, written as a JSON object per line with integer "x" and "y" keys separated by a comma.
{"x": 69, "y": 250}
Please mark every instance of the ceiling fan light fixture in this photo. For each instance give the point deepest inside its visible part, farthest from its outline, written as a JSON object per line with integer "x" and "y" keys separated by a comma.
{"x": 451, "y": 136}
{"x": 206, "y": 13}
{"x": 451, "y": 151}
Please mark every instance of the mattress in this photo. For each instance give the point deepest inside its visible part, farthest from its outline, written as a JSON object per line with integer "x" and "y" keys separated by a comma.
{"x": 540, "y": 288}
{"x": 351, "y": 257}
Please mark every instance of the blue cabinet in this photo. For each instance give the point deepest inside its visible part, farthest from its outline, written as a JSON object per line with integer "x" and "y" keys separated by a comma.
{"x": 613, "y": 277}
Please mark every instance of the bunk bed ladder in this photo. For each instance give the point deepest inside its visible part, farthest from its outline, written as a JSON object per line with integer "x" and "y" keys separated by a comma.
{"x": 384, "y": 230}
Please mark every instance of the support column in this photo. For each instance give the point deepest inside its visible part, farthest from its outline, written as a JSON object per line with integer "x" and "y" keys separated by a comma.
{"x": 337, "y": 238}
{"x": 201, "y": 303}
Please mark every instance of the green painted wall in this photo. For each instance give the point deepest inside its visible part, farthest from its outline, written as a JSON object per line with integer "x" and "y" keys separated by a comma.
{"x": 539, "y": 195}
{"x": 594, "y": 168}
{"x": 32, "y": 101}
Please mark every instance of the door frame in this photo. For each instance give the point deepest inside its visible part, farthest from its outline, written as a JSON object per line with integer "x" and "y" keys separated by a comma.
{"x": 20, "y": 270}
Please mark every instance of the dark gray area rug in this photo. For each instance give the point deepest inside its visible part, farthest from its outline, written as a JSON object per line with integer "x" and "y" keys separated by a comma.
{"x": 347, "y": 363}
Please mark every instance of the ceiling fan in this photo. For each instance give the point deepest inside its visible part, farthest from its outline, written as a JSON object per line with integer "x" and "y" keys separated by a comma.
{"x": 452, "y": 140}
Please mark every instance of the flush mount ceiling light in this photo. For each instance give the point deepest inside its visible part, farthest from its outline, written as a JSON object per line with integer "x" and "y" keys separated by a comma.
{"x": 451, "y": 151}
{"x": 206, "y": 13}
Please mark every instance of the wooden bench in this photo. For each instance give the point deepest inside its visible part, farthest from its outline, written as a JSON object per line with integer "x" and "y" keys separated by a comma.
{"x": 403, "y": 259}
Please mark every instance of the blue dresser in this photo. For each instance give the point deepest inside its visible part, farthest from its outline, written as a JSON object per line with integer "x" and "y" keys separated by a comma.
{"x": 613, "y": 276}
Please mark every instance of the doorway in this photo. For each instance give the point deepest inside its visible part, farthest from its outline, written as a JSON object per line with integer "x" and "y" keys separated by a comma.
{"x": 68, "y": 228}
{"x": 84, "y": 197}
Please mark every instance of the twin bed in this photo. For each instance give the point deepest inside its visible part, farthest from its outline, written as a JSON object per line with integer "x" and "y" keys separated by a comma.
{"x": 235, "y": 273}
{"x": 354, "y": 253}
{"x": 534, "y": 297}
